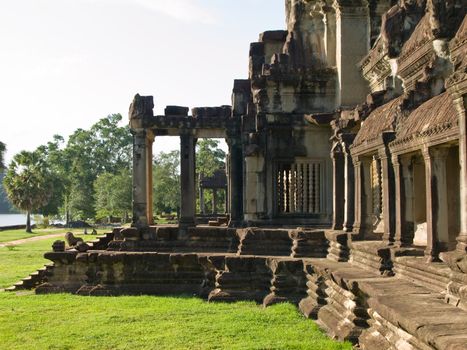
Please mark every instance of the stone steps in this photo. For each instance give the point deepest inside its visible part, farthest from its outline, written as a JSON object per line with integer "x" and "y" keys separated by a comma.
{"x": 33, "y": 280}
{"x": 418, "y": 320}
{"x": 371, "y": 255}
{"x": 434, "y": 276}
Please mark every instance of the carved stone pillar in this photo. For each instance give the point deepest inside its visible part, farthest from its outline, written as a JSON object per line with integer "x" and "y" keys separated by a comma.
{"x": 353, "y": 43}
{"x": 363, "y": 225}
{"x": 149, "y": 184}
{"x": 404, "y": 226}
{"x": 460, "y": 101}
{"x": 399, "y": 200}
{"x": 408, "y": 205}
{"x": 330, "y": 35}
{"x": 436, "y": 201}
{"x": 338, "y": 187}
{"x": 140, "y": 204}
{"x": 139, "y": 114}
{"x": 349, "y": 187}
{"x": 187, "y": 180}
{"x": 235, "y": 181}
{"x": 389, "y": 214}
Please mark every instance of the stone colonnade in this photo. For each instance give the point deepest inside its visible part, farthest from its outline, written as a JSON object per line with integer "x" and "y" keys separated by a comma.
{"x": 353, "y": 193}
{"x": 143, "y": 140}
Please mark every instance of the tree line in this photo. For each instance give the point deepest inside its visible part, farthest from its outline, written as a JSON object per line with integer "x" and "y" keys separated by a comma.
{"x": 89, "y": 175}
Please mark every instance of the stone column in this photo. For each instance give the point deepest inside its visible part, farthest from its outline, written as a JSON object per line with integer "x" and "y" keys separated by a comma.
{"x": 362, "y": 226}
{"x": 359, "y": 197}
{"x": 187, "y": 180}
{"x": 399, "y": 200}
{"x": 436, "y": 200}
{"x": 387, "y": 177}
{"x": 403, "y": 179}
{"x": 330, "y": 36}
{"x": 460, "y": 101}
{"x": 149, "y": 184}
{"x": 353, "y": 43}
{"x": 338, "y": 187}
{"x": 349, "y": 189}
{"x": 235, "y": 182}
{"x": 140, "y": 205}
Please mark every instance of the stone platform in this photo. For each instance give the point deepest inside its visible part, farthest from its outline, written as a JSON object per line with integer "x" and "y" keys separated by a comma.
{"x": 380, "y": 298}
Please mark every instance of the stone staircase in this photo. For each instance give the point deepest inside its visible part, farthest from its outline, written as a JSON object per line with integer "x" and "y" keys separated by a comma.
{"x": 33, "y": 280}
{"x": 40, "y": 276}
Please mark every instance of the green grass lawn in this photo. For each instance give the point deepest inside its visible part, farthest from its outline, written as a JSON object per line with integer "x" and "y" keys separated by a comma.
{"x": 71, "y": 322}
{"x": 13, "y": 235}
{"x": 64, "y": 321}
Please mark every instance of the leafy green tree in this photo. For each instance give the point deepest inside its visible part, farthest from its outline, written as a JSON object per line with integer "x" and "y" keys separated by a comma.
{"x": 209, "y": 157}
{"x": 105, "y": 148}
{"x": 52, "y": 153}
{"x": 166, "y": 178}
{"x": 113, "y": 195}
{"x": 2, "y": 152}
{"x": 27, "y": 183}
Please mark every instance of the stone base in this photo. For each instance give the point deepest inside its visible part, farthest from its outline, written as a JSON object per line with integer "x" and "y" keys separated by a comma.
{"x": 373, "y": 256}
{"x": 338, "y": 245}
{"x": 355, "y": 300}
{"x": 316, "y": 295}
{"x": 243, "y": 278}
{"x": 266, "y": 242}
{"x": 308, "y": 243}
{"x": 288, "y": 282}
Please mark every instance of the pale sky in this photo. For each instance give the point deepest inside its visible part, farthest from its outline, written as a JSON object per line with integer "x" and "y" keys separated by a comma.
{"x": 64, "y": 64}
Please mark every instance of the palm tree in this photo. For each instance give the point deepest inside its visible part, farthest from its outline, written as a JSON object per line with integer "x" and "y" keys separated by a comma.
{"x": 2, "y": 151}
{"x": 27, "y": 183}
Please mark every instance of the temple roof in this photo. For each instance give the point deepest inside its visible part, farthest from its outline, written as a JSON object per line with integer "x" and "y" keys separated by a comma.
{"x": 435, "y": 112}
{"x": 380, "y": 120}
{"x": 217, "y": 180}
{"x": 421, "y": 35}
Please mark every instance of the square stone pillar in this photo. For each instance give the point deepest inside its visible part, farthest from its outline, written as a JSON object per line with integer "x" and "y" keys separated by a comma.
{"x": 436, "y": 201}
{"x": 349, "y": 187}
{"x": 338, "y": 187}
{"x": 235, "y": 181}
{"x": 363, "y": 226}
{"x": 403, "y": 181}
{"x": 459, "y": 94}
{"x": 187, "y": 180}
{"x": 353, "y": 44}
{"x": 149, "y": 183}
{"x": 140, "y": 204}
{"x": 389, "y": 206}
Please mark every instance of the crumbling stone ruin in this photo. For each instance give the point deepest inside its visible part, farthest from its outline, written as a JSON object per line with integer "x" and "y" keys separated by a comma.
{"x": 347, "y": 180}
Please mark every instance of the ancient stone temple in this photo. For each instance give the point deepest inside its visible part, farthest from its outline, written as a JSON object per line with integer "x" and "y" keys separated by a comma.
{"x": 346, "y": 181}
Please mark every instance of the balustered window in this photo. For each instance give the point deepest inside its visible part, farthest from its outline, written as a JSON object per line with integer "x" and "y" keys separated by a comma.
{"x": 299, "y": 187}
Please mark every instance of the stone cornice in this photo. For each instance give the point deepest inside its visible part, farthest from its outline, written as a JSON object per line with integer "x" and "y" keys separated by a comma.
{"x": 438, "y": 134}
{"x": 351, "y": 8}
